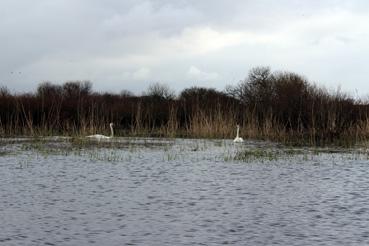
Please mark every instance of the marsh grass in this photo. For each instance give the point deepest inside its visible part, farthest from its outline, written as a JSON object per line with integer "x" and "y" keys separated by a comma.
{"x": 45, "y": 149}
{"x": 125, "y": 150}
{"x": 104, "y": 151}
{"x": 106, "y": 156}
{"x": 287, "y": 153}
{"x": 4, "y": 153}
{"x": 122, "y": 150}
{"x": 249, "y": 155}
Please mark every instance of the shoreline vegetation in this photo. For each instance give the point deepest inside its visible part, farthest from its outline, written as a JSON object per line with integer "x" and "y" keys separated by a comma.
{"x": 278, "y": 106}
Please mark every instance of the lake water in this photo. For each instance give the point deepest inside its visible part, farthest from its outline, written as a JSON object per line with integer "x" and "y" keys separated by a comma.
{"x": 180, "y": 192}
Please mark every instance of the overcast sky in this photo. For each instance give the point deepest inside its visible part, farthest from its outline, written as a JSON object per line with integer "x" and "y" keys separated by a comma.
{"x": 128, "y": 44}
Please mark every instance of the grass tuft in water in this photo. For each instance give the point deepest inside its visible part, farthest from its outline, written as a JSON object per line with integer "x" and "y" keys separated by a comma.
{"x": 249, "y": 155}
{"x": 4, "y": 153}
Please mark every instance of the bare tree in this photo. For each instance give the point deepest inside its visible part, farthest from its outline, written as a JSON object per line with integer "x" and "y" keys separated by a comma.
{"x": 255, "y": 89}
{"x": 47, "y": 89}
{"x": 4, "y": 91}
{"x": 160, "y": 90}
{"x": 126, "y": 93}
{"x": 76, "y": 89}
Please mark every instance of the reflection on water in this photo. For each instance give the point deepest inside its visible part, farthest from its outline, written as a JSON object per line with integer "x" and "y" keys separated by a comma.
{"x": 179, "y": 192}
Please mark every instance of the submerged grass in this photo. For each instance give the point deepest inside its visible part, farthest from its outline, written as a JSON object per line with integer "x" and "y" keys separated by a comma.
{"x": 46, "y": 149}
{"x": 285, "y": 153}
{"x": 249, "y": 155}
{"x": 126, "y": 149}
{"x": 4, "y": 153}
{"x": 105, "y": 151}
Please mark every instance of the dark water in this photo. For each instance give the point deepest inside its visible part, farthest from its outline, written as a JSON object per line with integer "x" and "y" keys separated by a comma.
{"x": 181, "y": 193}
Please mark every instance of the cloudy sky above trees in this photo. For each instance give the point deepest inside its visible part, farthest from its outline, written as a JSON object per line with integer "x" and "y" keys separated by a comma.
{"x": 128, "y": 44}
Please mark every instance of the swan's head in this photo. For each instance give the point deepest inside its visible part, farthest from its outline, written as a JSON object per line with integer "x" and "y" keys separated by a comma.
{"x": 111, "y": 124}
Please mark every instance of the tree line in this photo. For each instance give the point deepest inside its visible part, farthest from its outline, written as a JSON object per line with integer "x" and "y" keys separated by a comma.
{"x": 281, "y": 106}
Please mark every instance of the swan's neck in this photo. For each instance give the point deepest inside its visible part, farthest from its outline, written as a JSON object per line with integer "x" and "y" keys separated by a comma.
{"x": 238, "y": 131}
{"x": 111, "y": 131}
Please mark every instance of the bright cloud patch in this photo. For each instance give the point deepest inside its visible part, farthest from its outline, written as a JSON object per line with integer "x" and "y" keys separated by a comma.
{"x": 141, "y": 74}
{"x": 196, "y": 74}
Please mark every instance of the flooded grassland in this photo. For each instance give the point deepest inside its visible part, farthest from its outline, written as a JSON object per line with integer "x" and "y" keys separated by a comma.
{"x": 127, "y": 191}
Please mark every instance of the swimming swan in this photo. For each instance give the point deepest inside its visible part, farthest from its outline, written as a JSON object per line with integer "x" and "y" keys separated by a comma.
{"x": 238, "y": 139}
{"x": 99, "y": 136}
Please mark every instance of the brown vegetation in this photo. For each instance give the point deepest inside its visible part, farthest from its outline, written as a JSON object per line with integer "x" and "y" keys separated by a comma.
{"x": 279, "y": 106}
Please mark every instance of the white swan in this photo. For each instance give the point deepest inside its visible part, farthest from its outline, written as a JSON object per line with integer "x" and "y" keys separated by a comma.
{"x": 238, "y": 139}
{"x": 99, "y": 136}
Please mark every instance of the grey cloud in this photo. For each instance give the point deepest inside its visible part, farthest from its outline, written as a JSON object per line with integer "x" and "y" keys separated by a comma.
{"x": 116, "y": 42}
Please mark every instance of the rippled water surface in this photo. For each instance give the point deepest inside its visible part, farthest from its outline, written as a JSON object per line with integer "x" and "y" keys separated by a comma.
{"x": 180, "y": 192}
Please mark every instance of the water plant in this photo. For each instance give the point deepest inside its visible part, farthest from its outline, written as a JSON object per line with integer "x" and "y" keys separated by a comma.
{"x": 4, "y": 153}
{"x": 266, "y": 154}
